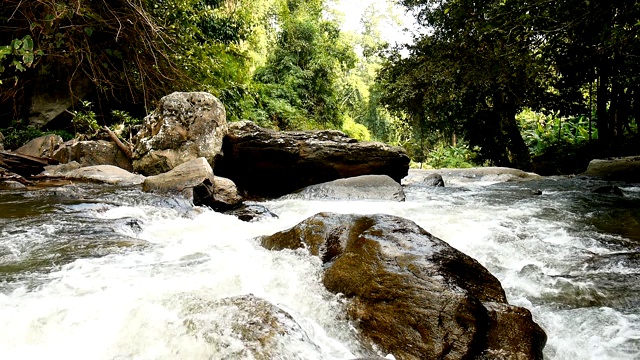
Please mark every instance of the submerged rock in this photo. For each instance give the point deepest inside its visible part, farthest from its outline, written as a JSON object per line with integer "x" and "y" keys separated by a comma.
{"x": 245, "y": 327}
{"x": 608, "y": 189}
{"x": 184, "y": 127}
{"x": 270, "y": 163}
{"x": 412, "y": 294}
{"x": 252, "y": 212}
{"x": 365, "y": 187}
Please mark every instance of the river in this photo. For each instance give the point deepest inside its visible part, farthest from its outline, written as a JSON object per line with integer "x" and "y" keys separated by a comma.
{"x": 95, "y": 272}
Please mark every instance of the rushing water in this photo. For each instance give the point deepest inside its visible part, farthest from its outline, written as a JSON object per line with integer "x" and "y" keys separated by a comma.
{"x": 101, "y": 273}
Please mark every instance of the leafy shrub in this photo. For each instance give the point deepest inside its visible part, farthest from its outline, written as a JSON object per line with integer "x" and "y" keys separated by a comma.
{"x": 355, "y": 130}
{"x": 448, "y": 156}
{"x": 542, "y": 132}
{"x": 85, "y": 121}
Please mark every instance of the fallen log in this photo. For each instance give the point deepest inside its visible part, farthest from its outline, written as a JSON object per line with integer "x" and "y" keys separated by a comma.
{"x": 24, "y": 165}
{"x": 6, "y": 175}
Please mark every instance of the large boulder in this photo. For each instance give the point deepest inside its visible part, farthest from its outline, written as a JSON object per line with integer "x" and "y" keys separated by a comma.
{"x": 412, "y": 294}
{"x": 43, "y": 146}
{"x": 364, "y": 187}
{"x": 615, "y": 169}
{"x": 195, "y": 181}
{"x": 270, "y": 163}
{"x": 185, "y": 126}
{"x": 89, "y": 153}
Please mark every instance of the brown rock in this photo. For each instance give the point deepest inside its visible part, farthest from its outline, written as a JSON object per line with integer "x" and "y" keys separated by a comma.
{"x": 269, "y": 163}
{"x": 615, "y": 169}
{"x": 107, "y": 174}
{"x": 88, "y": 153}
{"x": 413, "y": 295}
{"x": 185, "y": 126}
{"x": 195, "y": 181}
{"x": 43, "y": 146}
{"x": 512, "y": 333}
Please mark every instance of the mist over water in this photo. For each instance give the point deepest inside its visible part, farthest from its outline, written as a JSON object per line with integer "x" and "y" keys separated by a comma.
{"x": 93, "y": 272}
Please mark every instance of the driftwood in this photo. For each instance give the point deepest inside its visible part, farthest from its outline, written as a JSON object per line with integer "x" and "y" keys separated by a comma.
{"x": 24, "y": 165}
{"x": 6, "y": 175}
{"x": 126, "y": 150}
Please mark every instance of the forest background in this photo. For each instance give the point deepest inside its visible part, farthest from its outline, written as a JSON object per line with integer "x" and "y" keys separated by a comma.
{"x": 533, "y": 84}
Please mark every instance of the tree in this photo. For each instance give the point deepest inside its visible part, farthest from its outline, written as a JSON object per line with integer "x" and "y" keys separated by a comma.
{"x": 298, "y": 85}
{"x": 470, "y": 74}
{"x": 594, "y": 43}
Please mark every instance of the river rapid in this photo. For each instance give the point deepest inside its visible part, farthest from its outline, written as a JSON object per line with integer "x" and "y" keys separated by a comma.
{"x": 98, "y": 272}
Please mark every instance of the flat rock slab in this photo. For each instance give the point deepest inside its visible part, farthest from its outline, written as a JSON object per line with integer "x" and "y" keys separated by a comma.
{"x": 616, "y": 169}
{"x": 107, "y": 174}
{"x": 470, "y": 175}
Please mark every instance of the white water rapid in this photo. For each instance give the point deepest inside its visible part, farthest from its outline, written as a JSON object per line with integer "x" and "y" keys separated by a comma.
{"x": 120, "y": 275}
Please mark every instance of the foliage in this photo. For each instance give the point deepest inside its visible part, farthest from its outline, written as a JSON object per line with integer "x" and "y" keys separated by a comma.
{"x": 481, "y": 63}
{"x": 124, "y": 124}
{"x": 470, "y": 75}
{"x": 355, "y": 130}
{"x": 541, "y": 132}
{"x": 449, "y": 156}
{"x": 85, "y": 121}
{"x": 116, "y": 45}
{"x": 18, "y": 133}
{"x": 298, "y": 84}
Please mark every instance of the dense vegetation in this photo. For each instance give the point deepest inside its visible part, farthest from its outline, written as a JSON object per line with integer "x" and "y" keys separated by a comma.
{"x": 481, "y": 64}
{"x": 500, "y": 82}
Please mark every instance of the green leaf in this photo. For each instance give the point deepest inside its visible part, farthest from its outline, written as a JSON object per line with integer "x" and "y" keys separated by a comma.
{"x": 27, "y": 59}
{"x": 88, "y": 30}
{"x": 27, "y": 43}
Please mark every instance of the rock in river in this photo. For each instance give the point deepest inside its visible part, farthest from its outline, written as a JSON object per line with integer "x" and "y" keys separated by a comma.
{"x": 185, "y": 126}
{"x": 412, "y": 294}
{"x": 270, "y": 163}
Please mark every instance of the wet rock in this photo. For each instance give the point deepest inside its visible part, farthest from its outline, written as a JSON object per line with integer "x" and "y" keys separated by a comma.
{"x": 252, "y": 212}
{"x": 365, "y": 187}
{"x": 43, "y": 146}
{"x": 270, "y": 163}
{"x": 433, "y": 180}
{"x": 536, "y": 192}
{"x": 1, "y": 142}
{"x": 107, "y": 174}
{"x": 615, "y": 169}
{"x": 470, "y": 175}
{"x": 608, "y": 189}
{"x": 184, "y": 127}
{"x": 412, "y": 294}
{"x": 245, "y": 327}
{"x": 195, "y": 181}
{"x": 88, "y": 153}
{"x": 11, "y": 185}
{"x": 512, "y": 333}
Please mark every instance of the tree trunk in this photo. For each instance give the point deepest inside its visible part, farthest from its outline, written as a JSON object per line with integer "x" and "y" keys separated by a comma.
{"x": 514, "y": 142}
{"x": 602, "y": 98}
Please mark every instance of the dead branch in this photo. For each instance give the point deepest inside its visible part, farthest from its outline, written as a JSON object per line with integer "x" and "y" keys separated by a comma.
{"x": 124, "y": 148}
